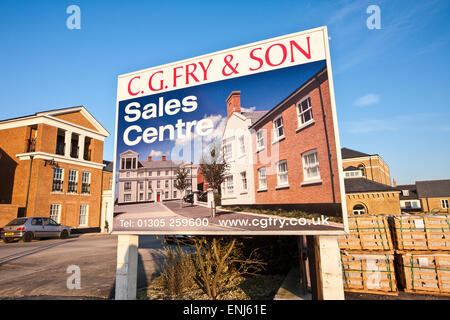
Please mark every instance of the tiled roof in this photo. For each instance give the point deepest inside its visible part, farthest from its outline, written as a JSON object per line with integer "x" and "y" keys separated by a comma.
{"x": 161, "y": 164}
{"x": 412, "y": 191}
{"x": 358, "y": 185}
{"x": 433, "y": 188}
{"x": 349, "y": 153}
{"x": 254, "y": 115}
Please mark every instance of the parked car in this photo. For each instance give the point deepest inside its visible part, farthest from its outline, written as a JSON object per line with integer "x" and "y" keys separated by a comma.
{"x": 30, "y": 228}
{"x": 189, "y": 198}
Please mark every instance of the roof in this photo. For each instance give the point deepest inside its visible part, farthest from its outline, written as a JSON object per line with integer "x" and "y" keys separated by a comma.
{"x": 288, "y": 98}
{"x": 254, "y": 115}
{"x": 361, "y": 185}
{"x": 109, "y": 166}
{"x": 433, "y": 188}
{"x": 350, "y": 153}
{"x": 54, "y": 112}
{"x": 161, "y": 164}
{"x": 351, "y": 168}
{"x": 412, "y": 191}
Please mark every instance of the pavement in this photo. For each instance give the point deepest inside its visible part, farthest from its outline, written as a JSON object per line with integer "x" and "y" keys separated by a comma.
{"x": 38, "y": 269}
{"x": 171, "y": 218}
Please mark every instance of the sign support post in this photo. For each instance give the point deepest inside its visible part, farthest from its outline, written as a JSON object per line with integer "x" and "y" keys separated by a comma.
{"x": 127, "y": 262}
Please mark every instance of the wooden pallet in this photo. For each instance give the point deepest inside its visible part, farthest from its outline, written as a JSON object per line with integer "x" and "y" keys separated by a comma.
{"x": 427, "y": 232}
{"x": 367, "y": 233}
{"x": 369, "y": 273}
{"x": 388, "y": 293}
{"x": 424, "y": 273}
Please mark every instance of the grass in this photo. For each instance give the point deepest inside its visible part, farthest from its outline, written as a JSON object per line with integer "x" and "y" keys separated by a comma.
{"x": 284, "y": 213}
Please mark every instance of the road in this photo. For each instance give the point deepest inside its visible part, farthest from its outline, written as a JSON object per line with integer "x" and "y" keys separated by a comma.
{"x": 38, "y": 269}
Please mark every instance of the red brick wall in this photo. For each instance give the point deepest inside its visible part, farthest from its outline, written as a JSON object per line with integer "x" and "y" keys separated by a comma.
{"x": 292, "y": 147}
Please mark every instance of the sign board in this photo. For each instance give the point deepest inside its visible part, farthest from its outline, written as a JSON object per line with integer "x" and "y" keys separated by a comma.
{"x": 251, "y": 131}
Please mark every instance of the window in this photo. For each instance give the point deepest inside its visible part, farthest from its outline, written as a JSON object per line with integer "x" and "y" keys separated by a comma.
{"x": 158, "y": 173}
{"x": 227, "y": 150}
{"x": 72, "y": 187}
{"x": 174, "y": 194}
{"x": 229, "y": 184}
{"x": 262, "y": 178}
{"x": 86, "y": 183}
{"x": 55, "y": 212}
{"x": 444, "y": 203}
{"x": 353, "y": 174}
{"x": 82, "y": 221}
{"x": 58, "y": 174}
{"x": 141, "y": 185}
{"x": 127, "y": 197}
{"x": 166, "y": 195}
{"x": 141, "y": 196}
{"x": 158, "y": 184}
{"x": 110, "y": 182}
{"x": 311, "y": 166}
{"x": 244, "y": 180}
{"x": 260, "y": 139}
{"x": 405, "y": 193}
{"x": 127, "y": 186}
{"x": 167, "y": 172}
{"x": 149, "y": 196}
{"x": 359, "y": 209}
{"x": 282, "y": 173}
{"x": 407, "y": 204}
{"x": 242, "y": 145}
{"x": 278, "y": 129}
{"x": 166, "y": 184}
{"x": 304, "y": 111}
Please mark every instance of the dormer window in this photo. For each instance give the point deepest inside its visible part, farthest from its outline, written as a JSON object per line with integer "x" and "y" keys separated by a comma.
{"x": 405, "y": 193}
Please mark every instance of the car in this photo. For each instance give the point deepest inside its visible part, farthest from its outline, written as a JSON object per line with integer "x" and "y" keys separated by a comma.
{"x": 30, "y": 228}
{"x": 189, "y": 198}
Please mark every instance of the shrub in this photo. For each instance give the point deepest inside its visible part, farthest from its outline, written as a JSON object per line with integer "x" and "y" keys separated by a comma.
{"x": 179, "y": 271}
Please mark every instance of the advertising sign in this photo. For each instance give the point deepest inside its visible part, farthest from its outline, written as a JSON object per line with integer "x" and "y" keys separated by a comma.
{"x": 241, "y": 141}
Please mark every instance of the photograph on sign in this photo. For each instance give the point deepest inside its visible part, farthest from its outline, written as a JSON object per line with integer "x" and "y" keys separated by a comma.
{"x": 242, "y": 141}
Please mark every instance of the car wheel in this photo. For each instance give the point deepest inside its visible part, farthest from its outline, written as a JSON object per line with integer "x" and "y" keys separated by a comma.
{"x": 27, "y": 237}
{"x": 64, "y": 234}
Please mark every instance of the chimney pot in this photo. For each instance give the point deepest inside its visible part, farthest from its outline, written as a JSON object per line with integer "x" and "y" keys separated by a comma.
{"x": 163, "y": 158}
{"x": 149, "y": 158}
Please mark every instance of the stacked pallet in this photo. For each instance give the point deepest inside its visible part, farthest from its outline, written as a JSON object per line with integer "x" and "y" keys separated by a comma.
{"x": 367, "y": 256}
{"x": 422, "y": 247}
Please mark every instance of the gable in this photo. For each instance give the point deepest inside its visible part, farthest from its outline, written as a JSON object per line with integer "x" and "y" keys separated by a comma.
{"x": 76, "y": 118}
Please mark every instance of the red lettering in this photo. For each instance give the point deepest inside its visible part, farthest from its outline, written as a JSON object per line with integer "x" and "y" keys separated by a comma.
{"x": 191, "y": 73}
{"x": 175, "y": 75}
{"x": 129, "y": 87}
{"x": 161, "y": 82}
{"x": 283, "y": 48}
{"x": 205, "y": 71}
{"x": 252, "y": 56}
{"x": 295, "y": 44}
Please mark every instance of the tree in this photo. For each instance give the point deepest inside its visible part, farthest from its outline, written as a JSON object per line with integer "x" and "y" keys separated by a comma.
{"x": 182, "y": 182}
{"x": 213, "y": 166}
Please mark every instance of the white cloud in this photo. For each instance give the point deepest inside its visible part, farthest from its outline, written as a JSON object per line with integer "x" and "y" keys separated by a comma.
{"x": 367, "y": 100}
{"x": 154, "y": 153}
{"x": 251, "y": 109}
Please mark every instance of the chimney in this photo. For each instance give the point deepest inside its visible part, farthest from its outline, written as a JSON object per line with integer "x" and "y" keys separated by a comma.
{"x": 234, "y": 103}
{"x": 163, "y": 158}
{"x": 395, "y": 183}
{"x": 149, "y": 158}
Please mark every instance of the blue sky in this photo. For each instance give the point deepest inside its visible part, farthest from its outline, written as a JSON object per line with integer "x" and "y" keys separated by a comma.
{"x": 391, "y": 85}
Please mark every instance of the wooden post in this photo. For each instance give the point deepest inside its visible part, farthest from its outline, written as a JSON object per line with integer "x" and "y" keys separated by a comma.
{"x": 325, "y": 268}
{"x": 127, "y": 263}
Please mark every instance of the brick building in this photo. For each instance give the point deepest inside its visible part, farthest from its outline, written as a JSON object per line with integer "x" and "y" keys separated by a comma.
{"x": 151, "y": 180}
{"x": 51, "y": 164}
{"x": 290, "y": 152}
{"x": 426, "y": 196}
{"x": 369, "y": 166}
